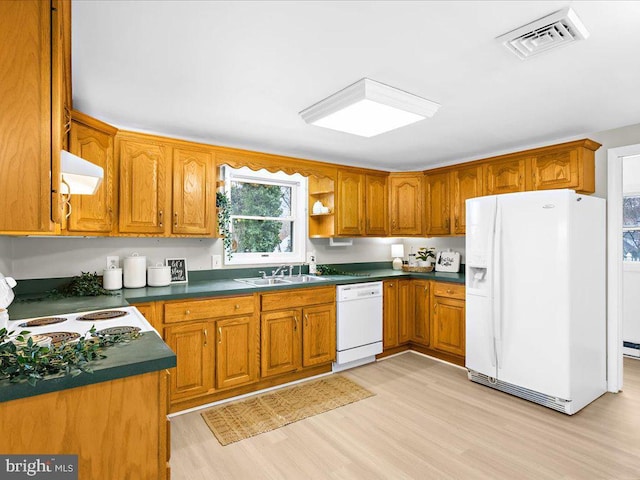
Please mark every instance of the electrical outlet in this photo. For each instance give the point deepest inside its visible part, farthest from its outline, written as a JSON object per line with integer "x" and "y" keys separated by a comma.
{"x": 216, "y": 261}
{"x": 311, "y": 257}
{"x": 113, "y": 260}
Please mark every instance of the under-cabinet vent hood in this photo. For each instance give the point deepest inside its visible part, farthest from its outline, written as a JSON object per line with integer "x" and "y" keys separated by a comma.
{"x": 555, "y": 30}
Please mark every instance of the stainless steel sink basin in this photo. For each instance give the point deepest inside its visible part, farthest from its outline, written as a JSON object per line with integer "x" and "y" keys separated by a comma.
{"x": 265, "y": 282}
{"x": 303, "y": 279}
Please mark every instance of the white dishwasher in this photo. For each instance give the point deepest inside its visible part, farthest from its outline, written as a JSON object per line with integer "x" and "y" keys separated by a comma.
{"x": 359, "y": 324}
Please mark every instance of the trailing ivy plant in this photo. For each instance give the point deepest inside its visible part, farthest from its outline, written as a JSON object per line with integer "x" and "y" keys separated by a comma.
{"x": 22, "y": 359}
{"x": 223, "y": 204}
{"x": 85, "y": 285}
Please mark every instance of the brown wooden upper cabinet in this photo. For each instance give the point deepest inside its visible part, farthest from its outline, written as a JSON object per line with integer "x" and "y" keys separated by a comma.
{"x": 350, "y": 204}
{"x": 465, "y": 183}
{"x": 405, "y": 204}
{"x": 361, "y": 205}
{"x": 194, "y": 179}
{"x": 376, "y": 204}
{"x": 505, "y": 176}
{"x": 33, "y": 102}
{"x": 144, "y": 185}
{"x": 437, "y": 204}
{"x": 93, "y": 140}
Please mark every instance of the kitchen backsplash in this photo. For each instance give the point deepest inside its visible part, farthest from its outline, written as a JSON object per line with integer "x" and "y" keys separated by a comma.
{"x": 32, "y": 257}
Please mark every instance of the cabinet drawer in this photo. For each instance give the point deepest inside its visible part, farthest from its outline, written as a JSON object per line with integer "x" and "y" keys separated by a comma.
{"x": 451, "y": 290}
{"x": 297, "y": 298}
{"x": 203, "y": 309}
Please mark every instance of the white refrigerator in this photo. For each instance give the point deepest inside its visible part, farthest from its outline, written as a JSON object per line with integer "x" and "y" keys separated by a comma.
{"x": 535, "y": 296}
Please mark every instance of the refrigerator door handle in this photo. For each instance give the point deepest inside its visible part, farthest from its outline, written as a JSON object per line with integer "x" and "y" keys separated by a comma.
{"x": 497, "y": 287}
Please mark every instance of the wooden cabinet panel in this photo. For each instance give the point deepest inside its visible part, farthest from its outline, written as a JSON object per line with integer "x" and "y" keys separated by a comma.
{"x": 193, "y": 192}
{"x": 350, "y": 204}
{"x": 405, "y": 311}
{"x": 555, "y": 170}
{"x": 94, "y": 142}
{"x": 210, "y": 308}
{"x": 301, "y": 298}
{"x": 465, "y": 183}
{"x": 437, "y": 204}
{"x": 319, "y": 335}
{"x": 237, "y": 360}
{"x": 405, "y": 204}
{"x": 448, "y": 326}
{"x": 322, "y": 189}
{"x": 421, "y": 312}
{"x": 505, "y": 176}
{"x": 390, "y": 314}
{"x": 451, "y": 290}
{"x": 193, "y": 345}
{"x": 376, "y": 205}
{"x": 26, "y": 117}
{"x": 143, "y": 186}
{"x": 148, "y": 311}
{"x": 280, "y": 342}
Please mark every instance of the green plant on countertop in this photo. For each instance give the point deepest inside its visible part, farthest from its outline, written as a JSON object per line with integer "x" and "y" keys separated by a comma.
{"x": 85, "y": 285}
{"x": 223, "y": 205}
{"x": 425, "y": 253}
{"x": 22, "y": 359}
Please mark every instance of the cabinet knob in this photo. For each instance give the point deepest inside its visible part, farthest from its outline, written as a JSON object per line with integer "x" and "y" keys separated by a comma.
{"x": 237, "y": 307}
{"x": 205, "y": 337}
{"x": 187, "y": 312}
{"x": 219, "y": 334}
{"x": 449, "y": 291}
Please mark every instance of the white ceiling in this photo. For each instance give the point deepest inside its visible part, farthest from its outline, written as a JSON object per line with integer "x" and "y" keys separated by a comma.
{"x": 238, "y": 73}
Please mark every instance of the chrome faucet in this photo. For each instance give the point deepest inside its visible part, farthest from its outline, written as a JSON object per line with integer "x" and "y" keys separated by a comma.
{"x": 263, "y": 273}
{"x": 280, "y": 269}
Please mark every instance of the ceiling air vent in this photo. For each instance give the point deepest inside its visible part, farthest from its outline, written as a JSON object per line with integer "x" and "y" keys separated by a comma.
{"x": 555, "y": 30}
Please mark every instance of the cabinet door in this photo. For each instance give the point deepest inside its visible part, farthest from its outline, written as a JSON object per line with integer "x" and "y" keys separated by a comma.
{"x": 143, "y": 187}
{"x": 421, "y": 310}
{"x": 505, "y": 176}
{"x": 555, "y": 170}
{"x": 437, "y": 204}
{"x": 405, "y": 311}
{"x": 406, "y": 204}
{"x": 93, "y": 213}
{"x": 280, "y": 342}
{"x": 236, "y": 352}
{"x": 148, "y": 311}
{"x": 390, "y": 311}
{"x": 318, "y": 335}
{"x": 448, "y": 326}
{"x": 376, "y": 205}
{"x": 466, "y": 183}
{"x": 193, "y": 189}
{"x": 350, "y": 204}
{"x": 193, "y": 346}
{"x": 26, "y": 116}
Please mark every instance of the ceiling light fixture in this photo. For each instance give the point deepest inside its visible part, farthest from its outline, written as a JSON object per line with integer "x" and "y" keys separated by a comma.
{"x": 368, "y": 108}
{"x": 555, "y": 30}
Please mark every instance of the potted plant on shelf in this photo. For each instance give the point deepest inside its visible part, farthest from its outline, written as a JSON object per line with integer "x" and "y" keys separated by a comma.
{"x": 424, "y": 254}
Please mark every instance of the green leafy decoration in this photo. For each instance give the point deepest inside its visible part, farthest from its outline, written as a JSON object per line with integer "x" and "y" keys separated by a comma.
{"x": 22, "y": 359}
{"x": 224, "y": 222}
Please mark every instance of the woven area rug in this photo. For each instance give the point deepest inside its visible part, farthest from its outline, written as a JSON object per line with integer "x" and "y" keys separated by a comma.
{"x": 236, "y": 421}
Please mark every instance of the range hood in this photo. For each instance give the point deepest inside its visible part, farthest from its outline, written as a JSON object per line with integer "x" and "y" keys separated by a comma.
{"x": 79, "y": 176}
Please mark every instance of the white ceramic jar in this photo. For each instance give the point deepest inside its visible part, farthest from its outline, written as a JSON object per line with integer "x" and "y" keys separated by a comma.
{"x": 135, "y": 271}
{"x": 112, "y": 278}
{"x": 159, "y": 275}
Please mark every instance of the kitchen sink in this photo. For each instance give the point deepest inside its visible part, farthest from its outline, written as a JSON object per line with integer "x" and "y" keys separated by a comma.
{"x": 265, "y": 282}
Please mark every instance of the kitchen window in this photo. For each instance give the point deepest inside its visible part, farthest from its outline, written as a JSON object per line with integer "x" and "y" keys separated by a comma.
{"x": 631, "y": 228}
{"x": 268, "y": 216}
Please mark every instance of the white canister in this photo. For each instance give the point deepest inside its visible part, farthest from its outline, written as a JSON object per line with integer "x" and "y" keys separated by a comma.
{"x": 135, "y": 271}
{"x": 317, "y": 208}
{"x": 112, "y": 278}
{"x": 159, "y": 276}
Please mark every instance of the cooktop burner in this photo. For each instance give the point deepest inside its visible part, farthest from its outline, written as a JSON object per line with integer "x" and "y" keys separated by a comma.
{"x": 104, "y": 315}
{"x": 59, "y": 337}
{"x": 40, "y": 322}
{"x": 121, "y": 330}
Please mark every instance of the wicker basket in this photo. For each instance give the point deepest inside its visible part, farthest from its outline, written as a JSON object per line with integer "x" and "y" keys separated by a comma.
{"x": 406, "y": 268}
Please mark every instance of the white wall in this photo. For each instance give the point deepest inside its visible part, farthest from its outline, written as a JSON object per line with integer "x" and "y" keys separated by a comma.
{"x": 5, "y": 257}
{"x": 619, "y": 137}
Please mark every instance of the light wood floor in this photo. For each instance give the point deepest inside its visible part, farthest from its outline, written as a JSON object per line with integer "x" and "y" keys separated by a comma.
{"x": 427, "y": 421}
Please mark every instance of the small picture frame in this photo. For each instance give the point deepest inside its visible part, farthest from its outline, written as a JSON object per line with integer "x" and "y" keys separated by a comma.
{"x": 178, "y": 269}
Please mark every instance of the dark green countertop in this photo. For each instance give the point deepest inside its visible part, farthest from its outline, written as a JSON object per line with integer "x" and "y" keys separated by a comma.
{"x": 148, "y": 353}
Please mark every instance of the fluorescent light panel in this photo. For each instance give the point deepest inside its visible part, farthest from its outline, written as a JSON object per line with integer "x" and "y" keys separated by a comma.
{"x": 368, "y": 108}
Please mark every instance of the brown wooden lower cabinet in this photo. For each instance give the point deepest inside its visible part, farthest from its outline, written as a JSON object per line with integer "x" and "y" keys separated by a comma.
{"x": 227, "y": 346}
{"x": 426, "y": 316}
